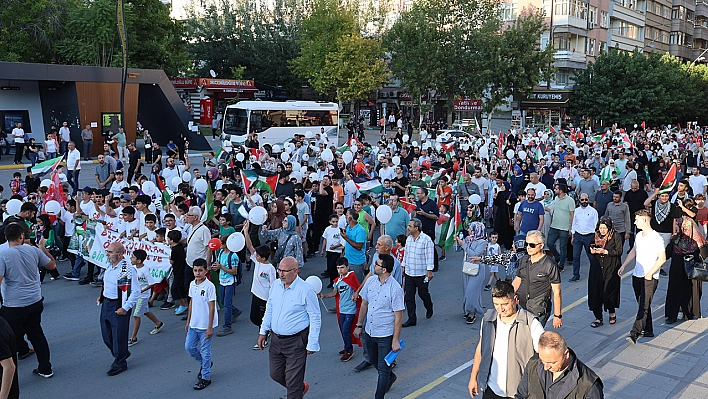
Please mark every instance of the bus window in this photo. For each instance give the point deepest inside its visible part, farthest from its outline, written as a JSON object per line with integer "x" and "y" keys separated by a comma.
{"x": 257, "y": 121}
{"x": 235, "y": 121}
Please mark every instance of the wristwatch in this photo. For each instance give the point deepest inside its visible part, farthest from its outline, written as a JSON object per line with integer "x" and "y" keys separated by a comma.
{"x": 359, "y": 326}
{"x": 558, "y": 316}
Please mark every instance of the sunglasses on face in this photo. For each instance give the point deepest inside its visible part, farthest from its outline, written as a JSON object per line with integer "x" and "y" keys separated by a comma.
{"x": 532, "y": 244}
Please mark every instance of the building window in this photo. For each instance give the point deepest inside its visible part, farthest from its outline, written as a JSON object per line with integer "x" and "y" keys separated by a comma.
{"x": 605, "y": 19}
{"x": 562, "y": 77}
{"x": 678, "y": 12}
{"x": 509, "y": 11}
{"x": 592, "y": 15}
{"x": 590, "y": 47}
{"x": 561, "y": 42}
{"x": 678, "y": 38}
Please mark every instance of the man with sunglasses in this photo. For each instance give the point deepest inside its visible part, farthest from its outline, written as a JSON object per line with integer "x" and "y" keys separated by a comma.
{"x": 582, "y": 232}
{"x": 536, "y": 278}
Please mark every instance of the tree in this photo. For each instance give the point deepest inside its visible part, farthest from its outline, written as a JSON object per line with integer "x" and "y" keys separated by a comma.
{"x": 335, "y": 57}
{"x": 29, "y": 30}
{"x": 235, "y": 34}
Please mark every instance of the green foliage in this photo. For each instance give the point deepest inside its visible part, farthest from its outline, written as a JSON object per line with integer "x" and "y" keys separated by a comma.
{"x": 91, "y": 34}
{"x": 655, "y": 89}
{"x": 235, "y": 34}
{"x": 29, "y": 29}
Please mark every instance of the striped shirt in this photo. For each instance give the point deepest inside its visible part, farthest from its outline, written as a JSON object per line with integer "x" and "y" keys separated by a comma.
{"x": 418, "y": 258}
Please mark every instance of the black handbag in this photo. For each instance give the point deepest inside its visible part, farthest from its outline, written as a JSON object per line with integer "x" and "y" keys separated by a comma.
{"x": 696, "y": 270}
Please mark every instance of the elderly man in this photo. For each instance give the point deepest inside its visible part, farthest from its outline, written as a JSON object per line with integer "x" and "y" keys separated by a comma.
{"x": 582, "y": 232}
{"x": 382, "y": 301}
{"x": 293, "y": 316}
{"x": 418, "y": 267}
{"x": 73, "y": 166}
{"x": 119, "y": 279}
{"x": 557, "y": 373}
{"x": 509, "y": 339}
{"x": 465, "y": 190}
{"x": 22, "y": 294}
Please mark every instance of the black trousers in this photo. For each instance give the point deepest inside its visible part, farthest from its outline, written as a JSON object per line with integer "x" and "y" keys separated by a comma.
{"x": 410, "y": 285}
{"x": 28, "y": 320}
{"x": 317, "y": 231}
{"x": 288, "y": 358}
{"x": 114, "y": 330}
{"x": 643, "y": 292}
{"x": 332, "y": 264}
{"x": 258, "y": 307}
{"x": 489, "y": 394}
{"x": 19, "y": 149}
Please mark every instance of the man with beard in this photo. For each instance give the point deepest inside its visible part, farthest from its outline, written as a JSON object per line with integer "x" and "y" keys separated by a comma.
{"x": 583, "y": 232}
{"x": 531, "y": 213}
{"x": 320, "y": 215}
{"x": 618, "y": 211}
{"x": 634, "y": 198}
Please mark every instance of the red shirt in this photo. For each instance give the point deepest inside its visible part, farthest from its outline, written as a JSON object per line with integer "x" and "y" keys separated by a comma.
{"x": 446, "y": 200}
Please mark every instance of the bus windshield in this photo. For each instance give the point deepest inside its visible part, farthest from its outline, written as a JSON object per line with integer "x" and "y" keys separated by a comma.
{"x": 236, "y": 121}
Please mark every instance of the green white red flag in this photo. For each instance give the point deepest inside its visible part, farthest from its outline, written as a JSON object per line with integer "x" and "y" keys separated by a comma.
{"x": 669, "y": 182}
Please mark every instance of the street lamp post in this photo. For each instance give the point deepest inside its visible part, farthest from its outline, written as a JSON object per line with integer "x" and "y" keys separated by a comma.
{"x": 651, "y": 43}
{"x": 123, "y": 36}
{"x": 699, "y": 58}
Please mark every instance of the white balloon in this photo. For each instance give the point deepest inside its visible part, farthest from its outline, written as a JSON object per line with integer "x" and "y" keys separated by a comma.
{"x": 396, "y": 160}
{"x": 201, "y": 186}
{"x": 257, "y": 215}
{"x": 315, "y": 283}
{"x": 354, "y": 148}
{"x": 292, "y": 146}
{"x": 152, "y": 208}
{"x": 186, "y": 176}
{"x": 314, "y": 176}
{"x": 303, "y": 170}
{"x": 465, "y": 147}
{"x": 235, "y": 242}
{"x": 13, "y": 206}
{"x": 288, "y": 150}
{"x": 573, "y": 144}
{"x": 296, "y": 166}
{"x": 635, "y": 125}
{"x": 52, "y": 207}
{"x": 176, "y": 181}
{"x": 149, "y": 188}
{"x": 305, "y": 157}
{"x": 414, "y": 144}
{"x": 276, "y": 149}
{"x": 347, "y": 156}
{"x": 284, "y": 156}
{"x": 510, "y": 154}
{"x": 350, "y": 186}
{"x": 308, "y": 134}
{"x": 240, "y": 157}
{"x": 327, "y": 155}
{"x": 405, "y": 138}
{"x": 522, "y": 155}
{"x": 46, "y": 183}
{"x": 383, "y": 214}
{"x": 425, "y": 145}
{"x": 475, "y": 199}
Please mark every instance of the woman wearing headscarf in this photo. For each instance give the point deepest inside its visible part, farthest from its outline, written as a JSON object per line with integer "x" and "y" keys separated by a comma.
{"x": 288, "y": 241}
{"x": 277, "y": 215}
{"x": 475, "y": 244}
{"x": 505, "y": 199}
{"x": 548, "y": 202}
{"x": 683, "y": 293}
{"x": 212, "y": 177}
{"x": 603, "y": 280}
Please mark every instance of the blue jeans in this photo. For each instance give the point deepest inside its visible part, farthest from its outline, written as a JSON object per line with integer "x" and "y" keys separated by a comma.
{"x": 33, "y": 157}
{"x": 202, "y": 354}
{"x": 378, "y": 348}
{"x": 51, "y": 155}
{"x": 63, "y": 147}
{"x": 581, "y": 241}
{"x": 553, "y": 236}
{"x": 78, "y": 264}
{"x": 345, "y": 326}
{"x": 73, "y": 177}
{"x": 227, "y": 295}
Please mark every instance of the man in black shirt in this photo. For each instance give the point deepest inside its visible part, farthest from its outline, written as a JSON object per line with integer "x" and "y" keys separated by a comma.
{"x": 400, "y": 182}
{"x": 428, "y": 213}
{"x": 663, "y": 214}
{"x": 324, "y": 205}
{"x": 10, "y": 387}
{"x": 134, "y": 163}
{"x": 634, "y": 198}
{"x": 285, "y": 186}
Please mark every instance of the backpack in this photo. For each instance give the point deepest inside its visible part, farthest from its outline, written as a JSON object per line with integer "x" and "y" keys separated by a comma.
{"x": 238, "y": 277}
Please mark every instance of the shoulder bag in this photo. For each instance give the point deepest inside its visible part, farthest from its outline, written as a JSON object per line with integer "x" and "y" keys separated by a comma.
{"x": 469, "y": 268}
{"x": 695, "y": 270}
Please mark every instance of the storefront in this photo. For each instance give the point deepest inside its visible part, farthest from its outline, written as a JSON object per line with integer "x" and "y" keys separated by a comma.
{"x": 205, "y": 97}
{"x": 544, "y": 108}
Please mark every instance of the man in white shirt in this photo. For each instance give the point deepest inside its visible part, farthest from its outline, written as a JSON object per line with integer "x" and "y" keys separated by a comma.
{"x": 629, "y": 177}
{"x": 537, "y": 185}
{"x": 697, "y": 182}
{"x": 650, "y": 256}
{"x": 73, "y": 166}
{"x": 582, "y": 232}
{"x": 483, "y": 185}
{"x": 65, "y": 134}
{"x": 18, "y": 134}
{"x": 170, "y": 171}
{"x": 386, "y": 172}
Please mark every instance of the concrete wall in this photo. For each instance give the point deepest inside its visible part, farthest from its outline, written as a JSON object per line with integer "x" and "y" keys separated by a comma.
{"x": 27, "y": 98}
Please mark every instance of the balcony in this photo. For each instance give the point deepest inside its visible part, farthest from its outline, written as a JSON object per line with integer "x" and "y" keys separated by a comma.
{"x": 681, "y": 51}
{"x": 700, "y": 32}
{"x": 631, "y": 15}
{"x": 701, "y": 9}
{"x": 570, "y": 59}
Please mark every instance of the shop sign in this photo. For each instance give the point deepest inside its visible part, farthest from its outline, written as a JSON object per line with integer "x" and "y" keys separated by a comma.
{"x": 467, "y": 104}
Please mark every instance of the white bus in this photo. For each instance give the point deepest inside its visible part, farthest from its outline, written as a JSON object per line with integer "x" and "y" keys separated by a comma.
{"x": 277, "y": 121}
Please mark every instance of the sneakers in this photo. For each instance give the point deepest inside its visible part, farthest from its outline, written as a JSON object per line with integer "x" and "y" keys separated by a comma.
{"x": 256, "y": 347}
{"x": 97, "y": 283}
{"x": 347, "y": 356}
{"x": 85, "y": 281}
{"x": 470, "y": 320}
{"x": 71, "y": 277}
{"x": 167, "y": 305}
{"x": 224, "y": 332}
{"x": 487, "y": 287}
{"x": 201, "y": 384}
{"x": 443, "y": 258}
{"x": 343, "y": 351}
{"x": 235, "y": 315}
{"x": 50, "y": 374}
{"x": 632, "y": 339}
{"x": 180, "y": 310}
{"x": 132, "y": 341}
{"x": 157, "y": 329}
{"x": 574, "y": 279}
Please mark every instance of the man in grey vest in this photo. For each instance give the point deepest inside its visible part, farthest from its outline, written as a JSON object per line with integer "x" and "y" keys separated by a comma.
{"x": 557, "y": 373}
{"x": 499, "y": 361}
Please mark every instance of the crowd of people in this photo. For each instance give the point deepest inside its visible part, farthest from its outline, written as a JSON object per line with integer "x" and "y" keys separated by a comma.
{"x": 384, "y": 215}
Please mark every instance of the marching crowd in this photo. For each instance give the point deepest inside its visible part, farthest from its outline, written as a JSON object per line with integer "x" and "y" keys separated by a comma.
{"x": 520, "y": 206}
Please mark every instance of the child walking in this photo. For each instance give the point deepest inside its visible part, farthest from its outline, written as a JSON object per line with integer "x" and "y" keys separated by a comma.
{"x": 227, "y": 263}
{"x": 202, "y": 319}
{"x": 141, "y": 306}
{"x": 493, "y": 249}
{"x": 263, "y": 278}
{"x": 333, "y": 245}
{"x": 347, "y": 309}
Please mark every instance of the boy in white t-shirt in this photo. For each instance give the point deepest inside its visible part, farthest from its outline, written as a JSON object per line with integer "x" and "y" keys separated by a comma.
{"x": 650, "y": 256}
{"x": 334, "y": 245}
{"x": 118, "y": 184}
{"x": 137, "y": 259}
{"x": 150, "y": 227}
{"x": 202, "y": 319}
{"x": 493, "y": 249}
{"x": 263, "y": 277}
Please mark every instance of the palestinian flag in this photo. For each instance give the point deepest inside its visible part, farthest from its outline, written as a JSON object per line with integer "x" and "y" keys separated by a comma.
{"x": 461, "y": 179}
{"x": 428, "y": 179}
{"x": 264, "y": 183}
{"x": 348, "y": 145}
{"x": 454, "y": 225}
{"x": 441, "y": 226}
{"x": 47, "y": 166}
{"x": 550, "y": 129}
{"x": 573, "y": 136}
{"x": 256, "y": 152}
{"x": 449, "y": 149}
{"x": 220, "y": 153}
{"x": 350, "y": 280}
{"x": 409, "y": 207}
{"x": 164, "y": 194}
{"x": 626, "y": 142}
{"x": 606, "y": 174}
{"x": 433, "y": 194}
{"x": 669, "y": 181}
{"x": 367, "y": 186}
{"x": 537, "y": 154}
{"x": 208, "y": 206}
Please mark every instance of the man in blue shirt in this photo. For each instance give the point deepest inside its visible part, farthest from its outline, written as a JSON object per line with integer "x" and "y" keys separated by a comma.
{"x": 355, "y": 244}
{"x": 399, "y": 218}
{"x": 530, "y": 216}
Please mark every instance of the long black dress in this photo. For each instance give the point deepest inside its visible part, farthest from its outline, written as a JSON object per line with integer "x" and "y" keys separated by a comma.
{"x": 603, "y": 280}
{"x": 501, "y": 221}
